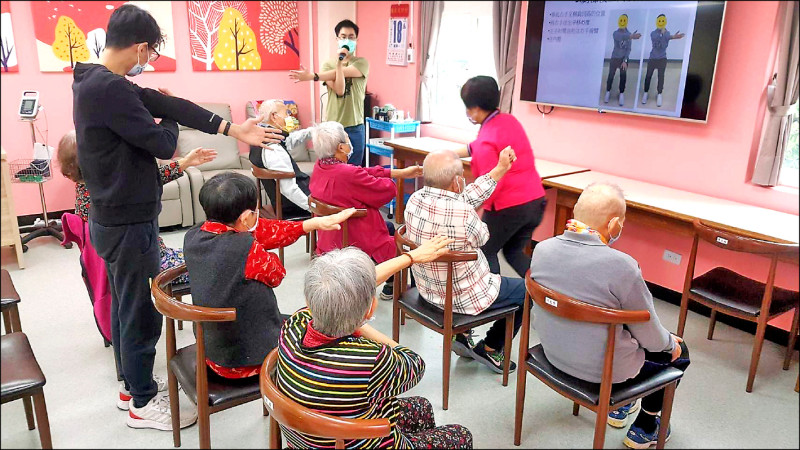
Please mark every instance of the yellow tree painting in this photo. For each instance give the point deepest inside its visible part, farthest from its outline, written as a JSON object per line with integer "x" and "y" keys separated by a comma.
{"x": 70, "y": 42}
{"x": 236, "y": 44}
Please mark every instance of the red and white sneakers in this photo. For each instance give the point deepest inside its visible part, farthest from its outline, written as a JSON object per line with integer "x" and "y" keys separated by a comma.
{"x": 125, "y": 395}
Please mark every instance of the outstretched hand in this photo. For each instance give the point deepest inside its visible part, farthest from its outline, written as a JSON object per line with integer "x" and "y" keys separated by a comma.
{"x": 300, "y": 75}
{"x": 198, "y": 156}
{"x": 636, "y": 35}
{"x": 507, "y": 157}
{"x": 251, "y": 133}
{"x": 329, "y": 223}
{"x": 431, "y": 249}
{"x": 678, "y": 35}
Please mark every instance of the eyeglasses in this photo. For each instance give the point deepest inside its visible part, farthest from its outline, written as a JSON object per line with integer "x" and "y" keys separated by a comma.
{"x": 352, "y": 37}
{"x": 153, "y": 56}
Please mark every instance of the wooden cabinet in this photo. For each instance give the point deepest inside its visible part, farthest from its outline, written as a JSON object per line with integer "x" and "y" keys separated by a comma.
{"x": 9, "y": 225}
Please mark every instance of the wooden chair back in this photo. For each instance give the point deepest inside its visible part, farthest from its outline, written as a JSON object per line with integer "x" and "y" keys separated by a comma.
{"x": 576, "y": 310}
{"x": 735, "y": 242}
{"x": 320, "y": 208}
{"x": 285, "y": 411}
{"x": 173, "y": 310}
{"x": 403, "y": 244}
{"x": 276, "y": 176}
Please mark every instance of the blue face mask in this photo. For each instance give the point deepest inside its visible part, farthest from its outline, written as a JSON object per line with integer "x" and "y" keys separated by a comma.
{"x": 351, "y": 44}
{"x": 138, "y": 68}
{"x": 612, "y": 239}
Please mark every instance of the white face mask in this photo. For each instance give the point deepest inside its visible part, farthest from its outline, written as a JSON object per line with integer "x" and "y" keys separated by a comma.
{"x": 255, "y": 225}
{"x": 138, "y": 68}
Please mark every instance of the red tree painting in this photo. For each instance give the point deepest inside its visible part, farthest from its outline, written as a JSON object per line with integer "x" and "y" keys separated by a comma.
{"x": 269, "y": 45}
{"x": 86, "y": 22}
{"x": 8, "y": 48}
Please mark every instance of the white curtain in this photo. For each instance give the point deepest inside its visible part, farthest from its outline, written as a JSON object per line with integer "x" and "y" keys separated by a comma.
{"x": 781, "y": 94}
{"x": 506, "y": 39}
{"x": 430, "y": 21}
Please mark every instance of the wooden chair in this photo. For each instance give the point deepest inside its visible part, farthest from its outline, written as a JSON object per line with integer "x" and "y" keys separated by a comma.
{"x": 211, "y": 393}
{"x": 599, "y": 398}
{"x": 22, "y": 378}
{"x": 727, "y": 292}
{"x": 276, "y": 211}
{"x": 285, "y": 411}
{"x": 320, "y": 208}
{"x": 10, "y": 300}
{"x": 408, "y": 302}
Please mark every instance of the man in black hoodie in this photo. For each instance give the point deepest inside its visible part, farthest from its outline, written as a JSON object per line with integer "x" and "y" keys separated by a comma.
{"x": 118, "y": 143}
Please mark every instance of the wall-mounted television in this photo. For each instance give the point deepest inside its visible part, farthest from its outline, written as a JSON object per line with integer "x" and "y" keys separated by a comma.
{"x": 653, "y": 57}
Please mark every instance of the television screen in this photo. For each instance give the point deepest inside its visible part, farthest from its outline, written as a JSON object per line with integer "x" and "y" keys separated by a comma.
{"x": 656, "y": 58}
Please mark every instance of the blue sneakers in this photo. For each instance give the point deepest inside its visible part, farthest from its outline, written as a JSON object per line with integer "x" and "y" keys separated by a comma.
{"x": 637, "y": 438}
{"x": 619, "y": 416}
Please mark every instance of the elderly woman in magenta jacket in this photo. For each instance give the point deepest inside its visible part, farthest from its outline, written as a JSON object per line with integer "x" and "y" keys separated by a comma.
{"x": 516, "y": 207}
{"x": 336, "y": 182}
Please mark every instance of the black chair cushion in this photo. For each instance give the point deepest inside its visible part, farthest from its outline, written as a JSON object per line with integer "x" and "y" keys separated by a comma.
{"x": 433, "y": 315}
{"x": 181, "y": 289}
{"x": 220, "y": 390}
{"x": 729, "y": 289}
{"x": 590, "y": 392}
{"x": 7, "y": 291}
{"x": 20, "y": 372}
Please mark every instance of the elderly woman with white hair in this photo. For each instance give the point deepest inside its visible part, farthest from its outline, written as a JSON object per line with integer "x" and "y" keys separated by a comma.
{"x": 294, "y": 191}
{"x": 340, "y": 295}
{"x": 336, "y": 182}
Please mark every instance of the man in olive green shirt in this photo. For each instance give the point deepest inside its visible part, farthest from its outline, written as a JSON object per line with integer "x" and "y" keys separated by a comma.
{"x": 345, "y": 76}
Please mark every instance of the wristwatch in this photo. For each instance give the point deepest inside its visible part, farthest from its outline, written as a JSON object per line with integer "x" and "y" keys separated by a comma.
{"x": 316, "y": 76}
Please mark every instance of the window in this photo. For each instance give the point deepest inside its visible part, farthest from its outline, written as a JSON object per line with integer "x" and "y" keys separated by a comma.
{"x": 465, "y": 49}
{"x": 790, "y": 168}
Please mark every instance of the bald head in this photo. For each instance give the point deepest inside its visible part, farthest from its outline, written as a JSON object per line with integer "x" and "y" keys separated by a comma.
{"x": 441, "y": 167}
{"x": 599, "y": 203}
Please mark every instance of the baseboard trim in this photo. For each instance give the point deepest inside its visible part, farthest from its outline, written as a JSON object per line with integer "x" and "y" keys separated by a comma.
{"x": 29, "y": 219}
{"x": 774, "y": 334}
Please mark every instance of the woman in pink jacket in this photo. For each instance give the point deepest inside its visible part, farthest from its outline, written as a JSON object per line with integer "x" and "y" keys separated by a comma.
{"x": 336, "y": 182}
{"x": 516, "y": 206}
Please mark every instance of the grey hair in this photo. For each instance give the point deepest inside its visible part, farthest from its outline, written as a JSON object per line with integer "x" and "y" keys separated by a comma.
{"x": 600, "y": 202}
{"x": 326, "y": 137}
{"x": 270, "y": 106}
{"x": 339, "y": 289}
{"x": 441, "y": 167}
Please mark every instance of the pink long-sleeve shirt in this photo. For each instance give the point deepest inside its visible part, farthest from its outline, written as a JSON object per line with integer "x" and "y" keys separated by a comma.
{"x": 347, "y": 186}
{"x": 522, "y": 183}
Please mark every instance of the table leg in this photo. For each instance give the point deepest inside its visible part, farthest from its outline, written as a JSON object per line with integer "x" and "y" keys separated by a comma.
{"x": 400, "y": 200}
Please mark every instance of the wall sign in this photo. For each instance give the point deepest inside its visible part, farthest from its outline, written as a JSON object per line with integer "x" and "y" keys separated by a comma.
{"x": 398, "y": 35}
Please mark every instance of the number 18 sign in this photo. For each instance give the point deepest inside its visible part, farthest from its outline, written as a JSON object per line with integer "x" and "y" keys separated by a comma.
{"x": 398, "y": 35}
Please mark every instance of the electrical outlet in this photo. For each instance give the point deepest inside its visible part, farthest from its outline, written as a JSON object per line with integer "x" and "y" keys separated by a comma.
{"x": 672, "y": 257}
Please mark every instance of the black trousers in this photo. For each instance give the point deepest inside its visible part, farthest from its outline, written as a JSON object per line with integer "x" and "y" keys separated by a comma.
{"x": 656, "y": 362}
{"x": 132, "y": 259}
{"x": 510, "y": 229}
{"x": 613, "y": 65}
{"x": 652, "y": 65}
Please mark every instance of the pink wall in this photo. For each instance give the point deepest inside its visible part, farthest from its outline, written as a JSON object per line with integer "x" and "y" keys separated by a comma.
{"x": 714, "y": 159}
{"x": 391, "y": 84}
{"x": 55, "y": 90}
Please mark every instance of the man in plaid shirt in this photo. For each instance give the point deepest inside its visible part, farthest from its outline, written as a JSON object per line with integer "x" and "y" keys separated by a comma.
{"x": 446, "y": 206}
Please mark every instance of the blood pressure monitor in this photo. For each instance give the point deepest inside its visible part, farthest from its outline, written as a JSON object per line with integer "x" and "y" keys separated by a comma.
{"x": 29, "y": 105}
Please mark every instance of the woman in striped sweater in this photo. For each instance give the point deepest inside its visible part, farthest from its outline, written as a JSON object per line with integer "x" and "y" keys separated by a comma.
{"x": 330, "y": 361}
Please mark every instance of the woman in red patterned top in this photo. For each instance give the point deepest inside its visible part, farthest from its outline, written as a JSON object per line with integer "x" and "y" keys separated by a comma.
{"x": 231, "y": 265}
{"x": 68, "y": 160}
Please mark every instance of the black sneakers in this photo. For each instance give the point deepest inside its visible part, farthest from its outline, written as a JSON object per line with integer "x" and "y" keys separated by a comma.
{"x": 387, "y": 293}
{"x": 493, "y": 360}
{"x": 463, "y": 344}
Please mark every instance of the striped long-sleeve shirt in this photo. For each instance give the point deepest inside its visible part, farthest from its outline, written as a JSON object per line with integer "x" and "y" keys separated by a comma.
{"x": 350, "y": 377}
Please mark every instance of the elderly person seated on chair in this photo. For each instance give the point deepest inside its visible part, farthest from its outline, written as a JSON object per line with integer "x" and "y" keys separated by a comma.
{"x": 336, "y": 182}
{"x": 331, "y": 361}
{"x": 446, "y": 205}
{"x": 277, "y": 157}
{"x": 231, "y": 265}
{"x": 581, "y": 264}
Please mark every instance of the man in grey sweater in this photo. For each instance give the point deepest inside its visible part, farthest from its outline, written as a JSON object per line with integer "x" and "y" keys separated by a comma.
{"x": 619, "y": 57}
{"x": 581, "y": 264}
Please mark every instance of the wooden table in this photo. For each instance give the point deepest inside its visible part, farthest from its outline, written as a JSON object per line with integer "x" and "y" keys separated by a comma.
{"x": 415, "y": 150}
{"x": 674, "y": 210}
